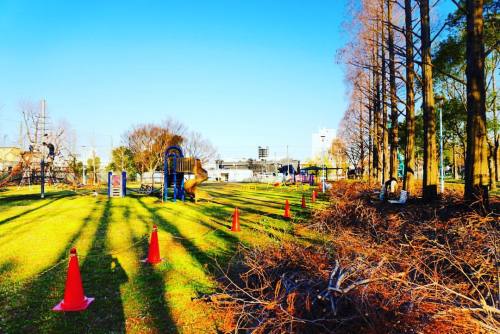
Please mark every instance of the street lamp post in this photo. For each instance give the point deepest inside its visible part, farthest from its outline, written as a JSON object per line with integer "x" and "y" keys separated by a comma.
{"x": 441, "y": 147}
{"x": 439, "y": 100}
{"x": 323, "y": 185}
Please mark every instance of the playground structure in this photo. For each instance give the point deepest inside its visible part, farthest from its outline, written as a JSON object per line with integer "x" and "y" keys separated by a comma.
{"x": 305, "y": 178}
{"x": 32, "y": 169}
{"x": 314, "y": 174}
{"x": 175, "y": 167}
{"x": 117, "y": 184}
{"x": 38, "y": 164}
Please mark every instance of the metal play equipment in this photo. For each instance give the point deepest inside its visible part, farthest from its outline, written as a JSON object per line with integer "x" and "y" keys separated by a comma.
{"x": 42, "y": 163}
{"x": 32, "y": 169}
{"x": 117, "y": 184}
{"x": 175, "y": 167}
{"x": 305, "y": 178}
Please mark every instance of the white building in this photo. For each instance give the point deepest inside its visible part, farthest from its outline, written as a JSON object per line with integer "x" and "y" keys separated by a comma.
{"x": 226, "y": 174}
{"x": 321, "y": 142}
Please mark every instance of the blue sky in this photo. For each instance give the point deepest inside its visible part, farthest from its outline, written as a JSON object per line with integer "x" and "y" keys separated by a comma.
{"x": 243, "y": 73}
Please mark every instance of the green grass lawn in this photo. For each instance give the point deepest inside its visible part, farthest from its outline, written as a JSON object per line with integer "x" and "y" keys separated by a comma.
{"x": 111, "y": 236}
{"x": 459, "y": 184}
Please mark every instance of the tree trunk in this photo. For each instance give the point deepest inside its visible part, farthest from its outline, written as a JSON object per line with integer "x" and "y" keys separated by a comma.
{"x": 376, "y": 116}
{"x": 493, "y": 144}
{"x": 393, "y": 160}
{"x": 496, "y": 136}
{"x": 429, "y": 187}
{"x": 385, "y": 136}
{"x": 476, "y": 158}
{"x": 361, "y": 140}
{"x": 376, "y": 125}
{"x": 409, "y": 178}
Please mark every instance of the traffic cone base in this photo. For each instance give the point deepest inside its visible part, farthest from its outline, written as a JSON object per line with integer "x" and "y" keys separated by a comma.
{"x": 146, "y": 260}
{"x": 64, "y": 308}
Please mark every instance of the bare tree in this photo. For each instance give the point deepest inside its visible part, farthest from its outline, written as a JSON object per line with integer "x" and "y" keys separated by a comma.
{"x": 199, "y": 147}
{"x": 31, "y": 120}
{"x": 37, "y": 129}
{"x": 148, "y": 143}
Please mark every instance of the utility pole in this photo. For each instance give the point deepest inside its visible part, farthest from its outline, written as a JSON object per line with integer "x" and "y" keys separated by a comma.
{"x": 43, "y": 118}
{"x": 41, "y": 128}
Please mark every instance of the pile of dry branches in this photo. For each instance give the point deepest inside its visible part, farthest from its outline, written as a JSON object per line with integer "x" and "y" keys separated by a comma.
{"x": 287, "y": 289}
{"x": 386, "y": 269}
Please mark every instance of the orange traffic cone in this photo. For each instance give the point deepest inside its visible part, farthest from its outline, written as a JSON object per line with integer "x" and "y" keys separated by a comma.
{"x": 235, "y": 227}
{"x": 287, "y": 210}
{"x": 154, "y": 248}
{"x": 313, "y": 199}
{"x": 303, "y": 205}
{"x": 74, "y": 297}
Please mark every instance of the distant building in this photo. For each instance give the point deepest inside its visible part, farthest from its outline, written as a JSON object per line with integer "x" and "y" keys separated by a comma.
{"x": 9, "y": 157}
{"x": 263, "y": 152}
{"x": 321, "y": 142}
{"x": 231, "y": 175}
{"x": 245, "y": 170}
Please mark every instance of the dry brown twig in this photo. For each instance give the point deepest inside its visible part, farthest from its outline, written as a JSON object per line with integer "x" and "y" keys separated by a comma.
{"x": 384, "y": 269}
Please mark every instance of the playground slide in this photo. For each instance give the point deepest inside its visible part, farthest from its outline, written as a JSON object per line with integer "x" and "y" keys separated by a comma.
{"x": 17, "y": 169}
{"x": 200, "y": 175}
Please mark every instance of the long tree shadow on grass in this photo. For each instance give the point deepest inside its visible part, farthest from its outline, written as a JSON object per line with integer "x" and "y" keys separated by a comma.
{"x": 152, "y": 287}
{"x": 266, "y": 197}
{"x": 202, "y": 257}
{"x": 266, "y": 227}
{"x": 25, "y": 212}
{"x": 30, "y": 309}
{"x": 272, "y": 225}
{"x": 219, "y": 212}
{"x": 9, "y": 199}
{"x": 248, "y": 206}
{"x": 270, "y": 203}
{"x": 102, "y": 276}
{"x": 12, "y": 233}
